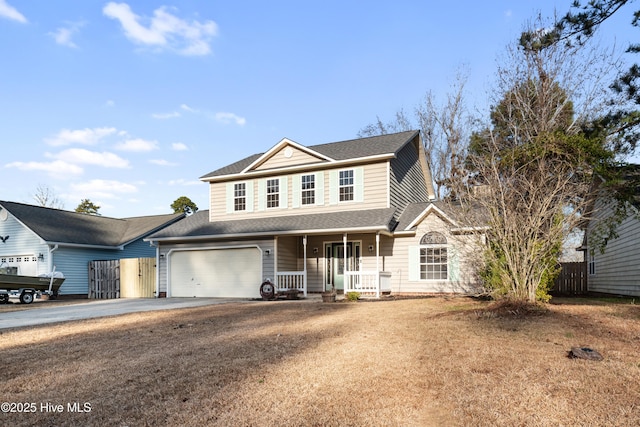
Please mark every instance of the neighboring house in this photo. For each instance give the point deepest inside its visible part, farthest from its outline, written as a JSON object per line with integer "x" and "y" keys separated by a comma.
{"x": 355, "y": 215}
{"x": 617, "y": 269}
{"x": 35, "y": 239}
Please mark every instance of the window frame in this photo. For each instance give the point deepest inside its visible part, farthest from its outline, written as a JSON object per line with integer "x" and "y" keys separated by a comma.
{"x": 434, "y": 246}
{"x": 346, "y": 190}
{"x": 273, "y": 193}
{"x": 240, "y": 200}
{"x": 308, "y": 190}
{"x": 591, "y": 263}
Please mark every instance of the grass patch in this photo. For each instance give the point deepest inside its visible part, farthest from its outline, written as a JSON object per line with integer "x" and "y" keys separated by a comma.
{"x": 406, "y": 362}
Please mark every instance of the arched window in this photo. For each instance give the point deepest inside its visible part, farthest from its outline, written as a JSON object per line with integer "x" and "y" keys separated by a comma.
{"x": 434, "y": 262}
{"x": 433, "y": 238}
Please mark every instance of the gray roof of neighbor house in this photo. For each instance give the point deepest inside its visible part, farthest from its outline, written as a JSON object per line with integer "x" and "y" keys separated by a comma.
{"x": 197, "y": 226}
{"x": 342, "y": 150}
{"x": 66, "y": 227}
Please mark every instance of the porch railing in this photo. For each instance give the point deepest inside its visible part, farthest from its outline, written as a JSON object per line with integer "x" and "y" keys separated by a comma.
{"x": 369, "y": 283}
{"x": 288, "y": 280}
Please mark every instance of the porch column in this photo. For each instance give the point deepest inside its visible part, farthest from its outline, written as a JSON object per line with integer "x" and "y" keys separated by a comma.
{"x": 304, "y": 266}
{"x": 275, "y": 262}
{"x": 378, "y": 265}
{"x": 347, "y": 279}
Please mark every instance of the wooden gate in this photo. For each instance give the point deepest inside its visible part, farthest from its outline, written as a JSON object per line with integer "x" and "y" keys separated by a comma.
{"x": 137, "y": 278}
{"x": 125, "y": 278}
{"x": 572, "y": 279}
{"x": 104, "y": 279}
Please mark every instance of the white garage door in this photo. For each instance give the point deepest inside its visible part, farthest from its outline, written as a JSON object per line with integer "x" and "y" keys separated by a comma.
{"x": 216, "y": 273}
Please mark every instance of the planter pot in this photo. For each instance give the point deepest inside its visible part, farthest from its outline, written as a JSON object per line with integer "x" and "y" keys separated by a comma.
{"x": 328, "y": 297}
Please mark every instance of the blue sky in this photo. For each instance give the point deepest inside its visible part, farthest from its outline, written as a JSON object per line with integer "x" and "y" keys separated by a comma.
{"x": 128, "y": 104}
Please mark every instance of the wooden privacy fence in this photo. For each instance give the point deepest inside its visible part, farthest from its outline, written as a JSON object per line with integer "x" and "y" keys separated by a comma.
{"x": 572, "y": 279}
{"x": 125, "y": 278}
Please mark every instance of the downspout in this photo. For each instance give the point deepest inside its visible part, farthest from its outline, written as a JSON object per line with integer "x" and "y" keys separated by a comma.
{"x": 154, "y": 244}
{"x": 50, "y": 258}
{"x": 304, "y": 267}
{"x": 346, "y": 278}
{"x": 378, "y": 264}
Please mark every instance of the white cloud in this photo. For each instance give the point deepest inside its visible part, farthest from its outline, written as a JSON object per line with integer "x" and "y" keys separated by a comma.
{"x": 230, "y": 117}
{"x": 11, "y": 12}
{"x": 82, "y": 156}
{"x": 162, "y": 162}
{"x": 102, "y": 188}
{"x": 63, "y": 35}
{"x": 184, "y": 182}
{"x": 164, "y": 30}
{"x": 185, "y": 107}
{"x": 179, "y": 146}
{"x": 110, "y": 103}
{"x": 80, "y": 136}
{"x": 164, "y": 116}
{"x": 137, "y": 145}
{"x": 58, "y": 168}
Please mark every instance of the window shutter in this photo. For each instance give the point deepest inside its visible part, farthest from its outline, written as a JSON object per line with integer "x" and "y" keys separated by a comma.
{"x": 414, "y": 263}
{"x": 229, "y": 197}
{"x": 296, "y": 191}
{"x": 319, "y": 188}
{"x": 333, "y": 187}
{"x": 284, "y": 191}
{"x": 262, "y": 194}
{"x": 358, "y": 184}
{"x": 250, "y": 196}
{"x": 454, "y": 264}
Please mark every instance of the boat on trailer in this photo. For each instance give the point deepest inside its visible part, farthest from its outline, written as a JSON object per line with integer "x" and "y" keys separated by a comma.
{"x": 27, "y": 287}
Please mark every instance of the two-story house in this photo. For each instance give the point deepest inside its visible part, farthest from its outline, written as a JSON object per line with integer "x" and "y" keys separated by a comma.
{"x": 356, "y": 215}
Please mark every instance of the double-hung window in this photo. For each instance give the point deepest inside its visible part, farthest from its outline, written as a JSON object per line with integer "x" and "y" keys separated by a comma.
{"x": 346, "y": 185}
{"x": 308, "y": 187}
{"x": 592, "y": 263}
{"x": 434, "y": 259}
{"x": 273, "y": 193}
{"x": 240, "y": 196}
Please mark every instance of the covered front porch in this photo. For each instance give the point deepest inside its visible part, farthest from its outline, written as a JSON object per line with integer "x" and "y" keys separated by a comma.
{"x": 341, "y": 262}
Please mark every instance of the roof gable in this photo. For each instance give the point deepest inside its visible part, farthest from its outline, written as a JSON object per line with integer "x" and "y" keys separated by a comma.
{"x": 66, "y": 227}
{"x": 287, "y": 153}
{"x": 335, "y": 152}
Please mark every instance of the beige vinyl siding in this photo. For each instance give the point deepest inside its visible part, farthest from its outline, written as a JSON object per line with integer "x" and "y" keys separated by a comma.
{"x": 617, "y": 270}
{"x": 463, "y": 252}
{"x": 375, "y": 190}
{"x": 288, "y": 253}
{"x": 279, "y": 160}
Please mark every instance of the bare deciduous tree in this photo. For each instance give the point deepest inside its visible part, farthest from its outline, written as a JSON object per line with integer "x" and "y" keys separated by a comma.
{"x": 46, "y": 197}
{"x": 535, "y": 162}
{"x": 445, "y": 131}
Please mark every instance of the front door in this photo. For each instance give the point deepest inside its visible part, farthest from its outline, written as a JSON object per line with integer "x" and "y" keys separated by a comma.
{"x": 335, "y": 262}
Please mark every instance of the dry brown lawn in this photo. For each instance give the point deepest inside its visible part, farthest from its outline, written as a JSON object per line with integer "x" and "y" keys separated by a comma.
{"x": 412, "y": 362}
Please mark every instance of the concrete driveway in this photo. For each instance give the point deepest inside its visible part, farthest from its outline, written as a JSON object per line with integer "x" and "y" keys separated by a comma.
{"x": 101, "y": 308}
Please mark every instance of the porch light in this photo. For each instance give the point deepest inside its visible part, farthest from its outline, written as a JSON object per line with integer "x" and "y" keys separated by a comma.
{"x": 370, "y": 248}
{"x": 267, "y": 252}
{"x": 315, "y": 251}
{"x": 41, "y": 257}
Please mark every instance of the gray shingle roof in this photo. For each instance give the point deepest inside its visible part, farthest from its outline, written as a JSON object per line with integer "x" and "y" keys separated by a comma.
{"x": 60, "y": 226}
{"x": 198, "y": 225}
{"x": 342, "y": 150}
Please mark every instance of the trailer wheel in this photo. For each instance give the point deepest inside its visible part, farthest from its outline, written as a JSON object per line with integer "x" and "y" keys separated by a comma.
{"x": 26, "y": 297}
{"x": 267, "y": 290}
